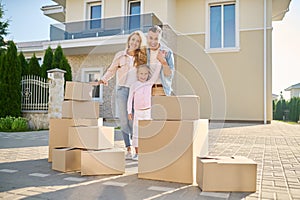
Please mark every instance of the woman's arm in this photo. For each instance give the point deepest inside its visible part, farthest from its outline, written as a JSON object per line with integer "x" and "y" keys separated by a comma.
{"x": 111, "y": 71}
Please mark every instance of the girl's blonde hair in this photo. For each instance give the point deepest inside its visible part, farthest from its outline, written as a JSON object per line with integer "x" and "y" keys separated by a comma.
{"x": 140, "y": 54}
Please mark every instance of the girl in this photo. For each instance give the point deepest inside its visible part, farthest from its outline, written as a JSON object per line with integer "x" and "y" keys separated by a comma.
{"x": 125, "y": 63}
{"x": 140, "y": 94}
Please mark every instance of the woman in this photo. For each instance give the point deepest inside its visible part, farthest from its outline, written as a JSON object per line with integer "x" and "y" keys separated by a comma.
{"x": 125, "y": 63}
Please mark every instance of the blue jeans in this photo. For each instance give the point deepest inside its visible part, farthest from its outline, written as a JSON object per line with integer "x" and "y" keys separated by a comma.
{"x": 126, "y": 125}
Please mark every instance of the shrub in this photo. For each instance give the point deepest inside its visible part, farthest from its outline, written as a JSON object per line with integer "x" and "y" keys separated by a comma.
{"x": 19, "y": 124}
{"x": 6, "y": 123}
{"x": 13, "y": 124}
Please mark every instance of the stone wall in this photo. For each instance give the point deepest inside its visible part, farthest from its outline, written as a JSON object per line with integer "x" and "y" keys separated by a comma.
{"x": 37, "y": 121}
{"x": 78, "y": 62}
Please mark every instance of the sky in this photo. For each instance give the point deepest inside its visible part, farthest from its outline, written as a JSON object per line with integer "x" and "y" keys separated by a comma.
{"x": 27, "y": 23}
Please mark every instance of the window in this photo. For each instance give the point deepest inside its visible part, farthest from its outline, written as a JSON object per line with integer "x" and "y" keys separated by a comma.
{"x": 222, "y": 26}
{"x": 134, "y": 10}
{"x": 92, "y": 75}
{"x": 94, "y": 14}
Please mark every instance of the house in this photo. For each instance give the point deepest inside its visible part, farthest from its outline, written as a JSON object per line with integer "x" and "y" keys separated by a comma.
{"x": 222, "y": 47}
{"x": 294, "y": 90}
{"x": 275, "y": 97}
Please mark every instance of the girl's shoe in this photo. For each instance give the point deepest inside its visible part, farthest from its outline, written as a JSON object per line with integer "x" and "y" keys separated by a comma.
{"x": 135, "y": 157}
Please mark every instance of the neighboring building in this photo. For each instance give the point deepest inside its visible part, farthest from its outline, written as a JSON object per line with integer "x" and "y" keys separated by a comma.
{"x": 294, "y": 90}
{"x": 275, "y": 97}
{"x": 223, "y": 49}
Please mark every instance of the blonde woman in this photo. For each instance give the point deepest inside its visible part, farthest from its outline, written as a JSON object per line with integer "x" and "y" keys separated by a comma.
{"x": 125, "y": 63}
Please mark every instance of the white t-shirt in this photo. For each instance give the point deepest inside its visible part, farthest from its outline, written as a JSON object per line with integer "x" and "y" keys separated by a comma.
{"x": 131, "y": 74}
{"x": 154, "y": 63}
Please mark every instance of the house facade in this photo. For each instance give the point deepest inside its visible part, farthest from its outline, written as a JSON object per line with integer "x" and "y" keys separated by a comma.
{"x": 222, "y": 48}
{"x": 294, "y": 90}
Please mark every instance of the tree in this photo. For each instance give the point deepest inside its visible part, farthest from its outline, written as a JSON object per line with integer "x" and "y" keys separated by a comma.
{"x": 24, "y": 64}
{"x": 64, "y": 65}
{"x": 10, "y": 98}
{"x": 57, "y": 57}
{"x": 61, "y": 62}
{"x": 298, "y": 106}
{"x": 34, "y": 66}
{"x": 47, "y": 63}
{"x": 3, "y": 29}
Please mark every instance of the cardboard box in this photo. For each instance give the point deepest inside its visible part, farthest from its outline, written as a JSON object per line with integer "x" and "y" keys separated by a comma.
{"x": 59, "y": 131}
{"x": 175, "y": 107}
{"x": 80, "y": 109}
{"x": 92, "y": 137}
{"x": 66, "y": 159}
{"x": 110, "y": 161}
{"x": 78, "y": 91}
{"x": 168, "y": 149}
{"x": 226, "y": 174}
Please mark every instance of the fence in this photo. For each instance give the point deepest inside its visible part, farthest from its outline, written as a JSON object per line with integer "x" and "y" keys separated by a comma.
{"x": 35, "y": 94}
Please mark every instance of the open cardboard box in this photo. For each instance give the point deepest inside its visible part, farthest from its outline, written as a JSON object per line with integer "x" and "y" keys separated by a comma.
{"x": 103, "y": 162}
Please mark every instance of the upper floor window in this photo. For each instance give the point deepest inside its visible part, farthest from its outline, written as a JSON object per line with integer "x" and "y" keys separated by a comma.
{"x": 134, "y": 10}
{"x": 134, "y": 7}
{"x": 94, "y": 14}
{"x": 222, "y": 26}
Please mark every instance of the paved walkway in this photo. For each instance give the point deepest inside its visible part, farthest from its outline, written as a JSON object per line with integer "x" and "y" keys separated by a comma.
{"x": 26, "y": 174}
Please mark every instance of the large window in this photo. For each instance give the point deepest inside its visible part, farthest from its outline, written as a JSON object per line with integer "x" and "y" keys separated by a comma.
{"x": 94, "y": 14}
{"x": 94, "y": 75}
{"x": 134, "y": 10}
{"x": 222, "y": 26}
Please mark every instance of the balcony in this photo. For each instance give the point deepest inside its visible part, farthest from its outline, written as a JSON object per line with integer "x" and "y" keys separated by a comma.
{"x": 103, "y": 27}
{"x": 56, "y": 12}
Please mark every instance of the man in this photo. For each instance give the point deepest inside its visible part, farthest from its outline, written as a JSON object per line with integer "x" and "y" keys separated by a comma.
{"x": 158, "y": 54}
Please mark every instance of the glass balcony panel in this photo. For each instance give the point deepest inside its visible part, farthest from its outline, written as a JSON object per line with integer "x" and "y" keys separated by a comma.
{"x": 103, "y": 27}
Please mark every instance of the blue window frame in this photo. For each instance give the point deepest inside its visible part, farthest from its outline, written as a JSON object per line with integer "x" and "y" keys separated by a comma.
{"x": 95, "y": 15}
{"x": 222, "y": 26}
{"x": 134, "y": 12}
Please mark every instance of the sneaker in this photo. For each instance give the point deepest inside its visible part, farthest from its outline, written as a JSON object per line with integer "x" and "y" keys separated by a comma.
{"x": 135, "y": 157}
{"x": 128, "y": 156}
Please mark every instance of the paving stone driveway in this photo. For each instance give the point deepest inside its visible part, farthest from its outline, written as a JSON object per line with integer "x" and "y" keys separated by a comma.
{"x": 26, "y": 174}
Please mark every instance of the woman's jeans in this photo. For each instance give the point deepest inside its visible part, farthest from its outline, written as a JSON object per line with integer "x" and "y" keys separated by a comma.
{"x": 126, "y": 125}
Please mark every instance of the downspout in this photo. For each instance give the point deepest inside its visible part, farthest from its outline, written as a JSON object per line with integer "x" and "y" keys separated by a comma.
{"x": 265, "y": 61}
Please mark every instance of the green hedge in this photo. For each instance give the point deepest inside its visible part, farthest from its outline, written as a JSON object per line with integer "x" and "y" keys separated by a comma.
{"x": 287, "y": 110}
{"x": 13, "y": 124}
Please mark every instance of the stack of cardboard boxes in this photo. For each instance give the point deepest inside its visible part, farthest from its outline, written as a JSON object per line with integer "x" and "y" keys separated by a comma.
{"x": 170, "y": 143}
{"x": 79, "y": 141}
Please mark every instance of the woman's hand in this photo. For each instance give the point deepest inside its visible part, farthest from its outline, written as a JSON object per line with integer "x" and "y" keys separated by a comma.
{"x": 103, "y": 82}
{"x": 130, "y": 116}
{"x": 98, "y": 83}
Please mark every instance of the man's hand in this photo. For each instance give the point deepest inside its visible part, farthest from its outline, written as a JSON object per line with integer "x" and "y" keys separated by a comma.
{"x": 161, "y": 57}
{"x": 130, "y": 116}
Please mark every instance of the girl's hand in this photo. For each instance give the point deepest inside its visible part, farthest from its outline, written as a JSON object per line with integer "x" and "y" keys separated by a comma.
{"x": 130, "y": 116}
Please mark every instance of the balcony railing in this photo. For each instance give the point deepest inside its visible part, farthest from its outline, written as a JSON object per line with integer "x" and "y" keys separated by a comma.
{"x": 103, "y": 27}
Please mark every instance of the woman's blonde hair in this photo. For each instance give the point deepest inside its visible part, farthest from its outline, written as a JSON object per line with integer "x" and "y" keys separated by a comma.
{"x": 140, "y": 54}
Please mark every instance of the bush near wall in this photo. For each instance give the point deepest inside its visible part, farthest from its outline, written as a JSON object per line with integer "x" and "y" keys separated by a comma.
{"x": 287, "y": 110}
{"x": 13, "y": 124}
